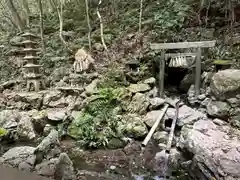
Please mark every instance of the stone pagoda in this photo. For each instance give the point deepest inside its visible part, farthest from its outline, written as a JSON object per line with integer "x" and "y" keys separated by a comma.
{"x": 32, "y": 75}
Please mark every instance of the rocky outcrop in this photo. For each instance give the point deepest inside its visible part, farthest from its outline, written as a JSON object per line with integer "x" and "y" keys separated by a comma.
{"x": 45, "y": 160}
{"x": 226, "y": 84}
{"x": 215, "y": 150}
{"x": 62, "y": 98}
{"x": 24, "y": 101}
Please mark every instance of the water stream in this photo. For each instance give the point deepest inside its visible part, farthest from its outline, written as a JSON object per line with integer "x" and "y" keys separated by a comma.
{"x": 130, "y": 163}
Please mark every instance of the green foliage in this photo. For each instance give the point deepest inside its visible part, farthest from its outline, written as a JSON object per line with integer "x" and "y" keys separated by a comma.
{"x": 98, "y": 123}
{"x": 170, "y": 15}
{"x": 113, "y": 79}
{"x": 3, "y": 132}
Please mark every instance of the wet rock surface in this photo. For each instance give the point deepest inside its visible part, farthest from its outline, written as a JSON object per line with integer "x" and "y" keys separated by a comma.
{"x": 186, "y": 115}
{"x": 215, "y": 149}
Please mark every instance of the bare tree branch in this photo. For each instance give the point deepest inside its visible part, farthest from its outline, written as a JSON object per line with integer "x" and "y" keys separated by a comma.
{"x": 101, "y": 25}
{"x": 89, "y": 26}
{"x": 41, "y": 21}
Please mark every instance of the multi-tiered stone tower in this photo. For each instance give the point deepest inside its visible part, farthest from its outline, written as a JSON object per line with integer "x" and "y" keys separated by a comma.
{"x": 32, "y": 75}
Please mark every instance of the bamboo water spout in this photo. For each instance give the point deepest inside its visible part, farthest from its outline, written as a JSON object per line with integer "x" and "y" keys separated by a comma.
{"x": 148, "y": 137}
{"x": 170, "y": 139}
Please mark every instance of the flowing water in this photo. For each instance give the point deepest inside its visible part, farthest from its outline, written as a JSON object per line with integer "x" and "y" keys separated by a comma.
{"x": 130, "y": 163}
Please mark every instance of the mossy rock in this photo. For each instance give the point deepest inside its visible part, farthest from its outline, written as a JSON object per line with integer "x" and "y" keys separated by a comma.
{"x": 222, "y": 62}
{"x": 116, "y": 143}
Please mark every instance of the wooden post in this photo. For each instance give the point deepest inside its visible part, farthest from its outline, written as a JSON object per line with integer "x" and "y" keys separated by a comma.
{"x": 198, "y": 72}
{"x": 161, "y": 73}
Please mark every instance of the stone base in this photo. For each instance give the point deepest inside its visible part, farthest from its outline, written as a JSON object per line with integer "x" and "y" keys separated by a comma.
{"x": 37, "y": 84}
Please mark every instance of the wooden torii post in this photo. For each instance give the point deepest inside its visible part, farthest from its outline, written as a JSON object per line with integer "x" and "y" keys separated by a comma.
{"x": 181, "y": 45}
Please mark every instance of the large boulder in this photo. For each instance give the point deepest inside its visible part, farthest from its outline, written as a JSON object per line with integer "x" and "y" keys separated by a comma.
{"x": 226, "y": 84}
{"x": 215, "y": 150}
{"x": 186, "y": 115}
{"x": 25, "y": 128}
{"x": 139, "y": 104}
{"x": 218, "y": 109}
{"x": 135, "y": 126}
{"x": 46, "y": 159}
{"x": 92, "y": 87}
{"x": 151, "y": 117}
{"x": 19, "y": 155}
{"x": 64, "y": 168}
{"x": 9, "y": 119}
{"x": 19, "y": 122}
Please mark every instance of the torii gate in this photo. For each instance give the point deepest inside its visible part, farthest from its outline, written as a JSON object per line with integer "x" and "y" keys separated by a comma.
{"x": 181, "y": 45}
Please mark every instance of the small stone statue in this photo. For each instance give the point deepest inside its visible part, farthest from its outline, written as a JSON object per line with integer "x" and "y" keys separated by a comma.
{"x": 83, "y": 62}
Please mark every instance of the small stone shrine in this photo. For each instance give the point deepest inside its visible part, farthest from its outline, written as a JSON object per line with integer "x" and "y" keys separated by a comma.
{"x": 32, "y": 75}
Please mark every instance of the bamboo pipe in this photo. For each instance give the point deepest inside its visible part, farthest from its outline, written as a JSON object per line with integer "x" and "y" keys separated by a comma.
{"x": 154, "y": 127}
{"x": 170, "y": 139}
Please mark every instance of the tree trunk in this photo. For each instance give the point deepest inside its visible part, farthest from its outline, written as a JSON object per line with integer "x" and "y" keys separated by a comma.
{"x": 26, "y": 11}
{"x": 140, "y": 16}
{"x": 41, "y": 21}
{"x": 16, "y": 17}
{"x": 8, "y": 17}
{"x": 89, "y": 26}
{"x": 101, "y": 26}
{"x": 51, "y": 6}
{"x": 60, "y": 15}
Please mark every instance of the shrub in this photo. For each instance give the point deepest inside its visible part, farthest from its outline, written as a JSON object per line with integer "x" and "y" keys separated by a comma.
{"x": 97, "y": 124}
{"x": 3, "y": 132}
